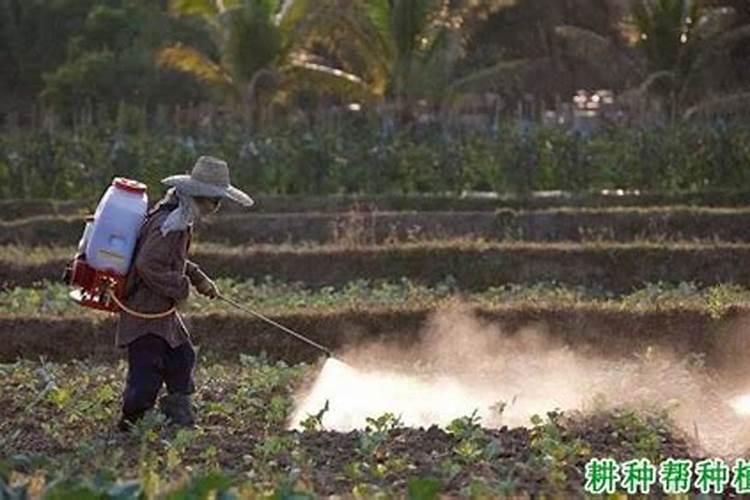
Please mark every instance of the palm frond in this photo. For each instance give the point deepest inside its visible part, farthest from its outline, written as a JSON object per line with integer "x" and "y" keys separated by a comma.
{"x": 713, "y": 22}
{"x": 305, "y": 23}
{"x": 203, "y": 8}
{"x": 252, "y": 41}
{"x": 480, "y": 11}
{"x": 725, "y": 106}
{"x": 435, "y": 68}
{"x": 504, "y": 76}
{"x": 473, "y": 13}
{"x": 725, "y": 42}
{"x": 659, "y": 83}
{"x": 598, "y": 52}
{"x": 446, "y": 48}
{"x": 713, "y": 66}
{"x": 294, "y": 12}
{"x": 369, "y": 52}
{"x": 378, "y": 13}
{"x": 663, "y": 27}
{"x": 332, "y": 80}
{"x": 194, "y": 62}
{"x": 409, "y": 20}
{"x": 271, "y": 9}
{"x": 210, "y": 11}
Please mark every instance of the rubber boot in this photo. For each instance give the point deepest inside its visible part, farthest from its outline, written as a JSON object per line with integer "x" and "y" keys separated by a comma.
{"x": 178, "y": 409}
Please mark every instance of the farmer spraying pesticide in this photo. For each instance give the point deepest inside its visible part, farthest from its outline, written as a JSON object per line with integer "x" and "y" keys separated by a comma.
{"x": 158, "y": 344}
{"x": 134, "y": 263}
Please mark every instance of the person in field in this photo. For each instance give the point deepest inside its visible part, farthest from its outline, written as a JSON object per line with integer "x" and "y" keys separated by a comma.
{"x": 158, "y": 344}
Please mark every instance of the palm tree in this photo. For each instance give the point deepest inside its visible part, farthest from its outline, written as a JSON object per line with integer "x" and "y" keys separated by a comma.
{"x": 687, "y": 45}
{"x": 680, "y": 55}
{"x": 409, "y": 51}
{"x": 562, "y": 45}
{"x": 720, "y": 72}
{"x": 261, "y": 45}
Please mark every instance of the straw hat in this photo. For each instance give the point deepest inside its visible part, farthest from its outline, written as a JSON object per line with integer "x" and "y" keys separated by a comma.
{"x": 209, "y": 178}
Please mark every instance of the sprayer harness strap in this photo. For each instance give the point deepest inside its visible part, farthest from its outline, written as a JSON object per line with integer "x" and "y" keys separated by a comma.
{"x": 119, "y": 303}
{"x": 139, "y": 314}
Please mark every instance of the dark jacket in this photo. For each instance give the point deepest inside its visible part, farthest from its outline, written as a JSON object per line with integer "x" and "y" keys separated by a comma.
{"x": 159, "y": 278}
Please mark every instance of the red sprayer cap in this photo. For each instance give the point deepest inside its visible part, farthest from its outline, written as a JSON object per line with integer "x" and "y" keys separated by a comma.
{"x": 129, "y": 185}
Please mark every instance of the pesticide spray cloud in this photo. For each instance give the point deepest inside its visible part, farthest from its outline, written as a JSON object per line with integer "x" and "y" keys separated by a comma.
{"x": 462, "y": 364}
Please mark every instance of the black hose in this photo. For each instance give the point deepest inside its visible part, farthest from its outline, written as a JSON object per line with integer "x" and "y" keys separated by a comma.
{"x": 283, "y": 328}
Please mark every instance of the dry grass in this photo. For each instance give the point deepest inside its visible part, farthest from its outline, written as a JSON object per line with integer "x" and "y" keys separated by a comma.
{"x": 596, "y": 329}
{"x": 472, "y": 264}
{"x": 17, "y": 209}
{"x": 363, "y": 226}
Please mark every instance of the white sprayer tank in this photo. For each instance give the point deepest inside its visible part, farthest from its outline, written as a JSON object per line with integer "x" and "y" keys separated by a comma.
{"x": 117, "y": 222}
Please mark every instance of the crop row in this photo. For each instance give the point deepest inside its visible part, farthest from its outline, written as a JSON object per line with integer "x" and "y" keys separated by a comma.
{"x": 469, "y": 265}
{"x": 11, "y": 209}
{"x": 594, "y": 329}
{"x": 56, "y": 442}
{"x": 357, "y": 228}
{"x": 276, "y": 297}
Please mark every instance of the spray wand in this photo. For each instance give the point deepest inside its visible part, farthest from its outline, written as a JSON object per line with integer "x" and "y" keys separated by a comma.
{"x": 277, "y": 325}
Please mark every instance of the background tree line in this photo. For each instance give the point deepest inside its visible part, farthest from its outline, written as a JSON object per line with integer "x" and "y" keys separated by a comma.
{"x": 263, "y": 58}
{"x": 373, "y": 96}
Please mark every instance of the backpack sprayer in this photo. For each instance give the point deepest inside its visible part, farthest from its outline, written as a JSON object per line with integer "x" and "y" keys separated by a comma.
{"x": 99, "y": 270}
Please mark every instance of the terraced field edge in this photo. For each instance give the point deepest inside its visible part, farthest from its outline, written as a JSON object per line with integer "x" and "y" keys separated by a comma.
{"x": 469, "y": 265}
{"x": 13, "y": 209}
{"x": 599, "y": 331}
{"x": 623, "y": 224}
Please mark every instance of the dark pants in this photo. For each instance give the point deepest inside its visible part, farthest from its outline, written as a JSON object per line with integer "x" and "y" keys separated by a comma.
{"x": 151, "y": 363}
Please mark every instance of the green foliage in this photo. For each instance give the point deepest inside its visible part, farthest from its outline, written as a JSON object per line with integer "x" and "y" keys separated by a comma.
{"x": 383, "y": 424}
{"x": 12, "y": 492}
{"x": 410, "y": 50}
{"x": 75, "y": 489}
{"x": 555, "y": 449}
{"x": 665, "y": 26}
{"x": 690, "y": 48}
{"x": 466, "y": 427}
{"x": 109, "y": 61}
{"x": 31, "y": 35}
{"x": 423, "y": 489}
{"x": 253, "y": 40}
{"x": 314, "y": 422}
{"x": 247, "y": 452}
{"x": 84, "y": 78}
{"x": 355, "y": 158}
{"x": 200, "y": 487}
{"x": 212, "y": 485}
{"x": 263, "y": 54}
{"x": 376, "y": 433}
{"x": 260, "y": 49}
{"x": 643, "y": 431}
{"x": 473, "y": 442}
{"x": 51, "y": 299}
{"x": 287, "y": 491}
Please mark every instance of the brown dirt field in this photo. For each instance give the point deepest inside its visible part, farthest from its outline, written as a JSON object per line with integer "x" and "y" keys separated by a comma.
{"x": 672, "y": 223}
{"x": 615, "y": 267}
{"x": 15, "y": 209}
{"x": 238, "y": 420}
{"x": 594, "y": 330}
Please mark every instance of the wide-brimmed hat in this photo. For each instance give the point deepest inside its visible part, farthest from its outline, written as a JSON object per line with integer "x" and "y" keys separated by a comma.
{"x": 209, "y": 178}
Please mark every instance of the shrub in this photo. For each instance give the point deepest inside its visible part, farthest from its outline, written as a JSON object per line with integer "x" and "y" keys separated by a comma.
{"x": 360, "y": 158}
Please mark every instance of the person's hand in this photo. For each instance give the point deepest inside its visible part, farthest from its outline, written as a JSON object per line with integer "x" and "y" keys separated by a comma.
{"x": 208, "y": 288}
